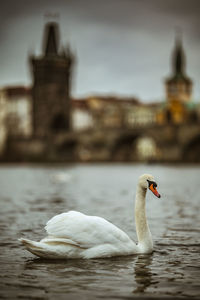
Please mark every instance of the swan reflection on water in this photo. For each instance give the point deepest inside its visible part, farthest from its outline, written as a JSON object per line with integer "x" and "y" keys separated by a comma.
{"x": 143, "y": 274}
{"x": 96, "y": 274}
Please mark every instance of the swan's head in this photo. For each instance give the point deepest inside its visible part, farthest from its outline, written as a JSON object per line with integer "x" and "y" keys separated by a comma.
{"x": 148, "y": 181}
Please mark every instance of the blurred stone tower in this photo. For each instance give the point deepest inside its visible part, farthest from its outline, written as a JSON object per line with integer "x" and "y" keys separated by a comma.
{"x": 178, "y": 86}
{"x": 51, "y": 85}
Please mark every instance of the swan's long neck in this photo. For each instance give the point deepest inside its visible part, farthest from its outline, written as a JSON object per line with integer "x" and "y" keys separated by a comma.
{"x": 145, "y": 242}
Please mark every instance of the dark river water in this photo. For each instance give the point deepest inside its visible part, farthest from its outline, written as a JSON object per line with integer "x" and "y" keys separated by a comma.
{"x": 30, "y": 195}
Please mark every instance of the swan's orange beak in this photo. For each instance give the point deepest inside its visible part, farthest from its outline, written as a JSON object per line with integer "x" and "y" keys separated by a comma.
{"x": 154, "y": 190}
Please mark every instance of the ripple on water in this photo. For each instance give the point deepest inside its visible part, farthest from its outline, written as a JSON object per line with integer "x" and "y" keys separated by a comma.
{"x": 172, "y": 271}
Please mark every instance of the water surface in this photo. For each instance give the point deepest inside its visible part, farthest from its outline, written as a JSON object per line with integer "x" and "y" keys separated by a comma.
{"x": 30, "y": 195}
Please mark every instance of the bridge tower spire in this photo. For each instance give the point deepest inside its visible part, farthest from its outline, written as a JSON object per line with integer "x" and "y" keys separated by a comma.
{"x": 179, "y": 85}
{"x": 51, "y": 43}
{"x": 178, "y": 58}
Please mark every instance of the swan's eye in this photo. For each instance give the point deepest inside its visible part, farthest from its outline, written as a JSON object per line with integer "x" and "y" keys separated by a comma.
{"x": 152, "y": 182}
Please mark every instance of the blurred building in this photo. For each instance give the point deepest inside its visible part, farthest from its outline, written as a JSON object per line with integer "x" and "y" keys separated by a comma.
{"x": 81, "y": 115}
{"x": 51, "y": 85}
{"x": 43, "y": 122}
{"x": 142, "y": 114}
{"x": 108, "y": 112}
{"x": 179, "y": 107}
{"x": 179, "y": 85}
{"x": 120, "y": 112}
{"x": 18, "y": 111}
{"x": 114, "y": 112}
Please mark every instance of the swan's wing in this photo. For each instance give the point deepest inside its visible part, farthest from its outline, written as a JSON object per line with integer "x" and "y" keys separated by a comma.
{"x": 85, "y": 231}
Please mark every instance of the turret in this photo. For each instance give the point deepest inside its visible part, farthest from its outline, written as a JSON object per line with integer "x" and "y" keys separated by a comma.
{"x": 51, "y": 85}
{"x": 179, "y": 85}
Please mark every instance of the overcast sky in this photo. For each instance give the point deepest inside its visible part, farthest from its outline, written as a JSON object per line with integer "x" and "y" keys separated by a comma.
{"x": 122, "y": 46}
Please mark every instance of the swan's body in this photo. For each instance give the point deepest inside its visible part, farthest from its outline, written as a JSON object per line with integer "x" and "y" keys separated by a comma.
{"x": 61, "y": 177}
{"x": 75, "y": 235}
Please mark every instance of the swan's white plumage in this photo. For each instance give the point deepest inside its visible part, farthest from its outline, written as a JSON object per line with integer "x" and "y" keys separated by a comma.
{"x": 76, "y": 235}
{"x": 85, "y": 231}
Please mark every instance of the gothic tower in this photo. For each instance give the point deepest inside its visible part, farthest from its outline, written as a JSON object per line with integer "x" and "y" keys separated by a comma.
{"x": 178, "y": 86}
{"x": 51, "y": 86}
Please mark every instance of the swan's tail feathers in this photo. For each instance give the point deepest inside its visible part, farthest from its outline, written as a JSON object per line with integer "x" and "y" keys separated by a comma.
{"x": 36, "y": 248}
{"x": 53, "y": 248}
{"x": 27, "y": 243}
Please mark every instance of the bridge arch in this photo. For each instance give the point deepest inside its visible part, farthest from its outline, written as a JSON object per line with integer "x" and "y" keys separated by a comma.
{"x": 135, "y": 147}
{"x": 59, "y": 123}
{"x": 147, "y": 149}
{"x": 67, "y": 148}
{"x": 191, "y": 152}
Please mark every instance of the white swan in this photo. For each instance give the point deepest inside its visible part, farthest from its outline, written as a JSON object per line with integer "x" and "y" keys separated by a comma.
{"x": 75, "y": 235}
{"x": 61, "y": 177}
